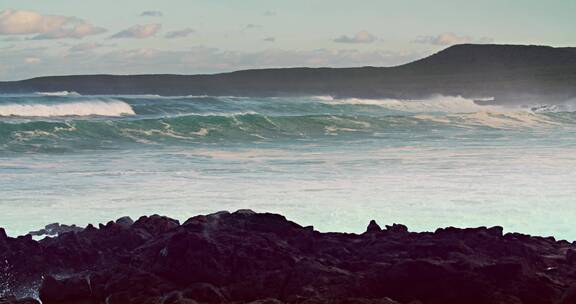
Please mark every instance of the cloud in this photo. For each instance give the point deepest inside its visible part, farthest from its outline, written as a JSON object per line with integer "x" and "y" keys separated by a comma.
{"x": 86, "y": 47}
{"x": 151, "y": 14}
{"x": 179, "y": 33}
{"x": 139, "y": 31}
{"x": 22, "y": 22}
{"x": 445, "y": 39}
{"x": 270, "y": 39}
{"x": 360, "y": 37}
{"x": 269, "y": 13}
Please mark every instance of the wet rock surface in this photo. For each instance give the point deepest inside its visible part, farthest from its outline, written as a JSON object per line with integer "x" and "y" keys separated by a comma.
{"x": 247, "y": 257}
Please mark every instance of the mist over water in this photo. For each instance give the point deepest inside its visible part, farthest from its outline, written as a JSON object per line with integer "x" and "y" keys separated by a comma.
{"x": 331, "y": 163}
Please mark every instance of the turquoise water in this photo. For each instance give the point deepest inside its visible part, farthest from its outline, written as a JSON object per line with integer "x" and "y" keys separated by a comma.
{"x": 331, "y": 163}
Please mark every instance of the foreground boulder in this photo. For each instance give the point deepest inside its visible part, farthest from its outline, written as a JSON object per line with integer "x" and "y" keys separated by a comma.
{"x": 248, "y": 257}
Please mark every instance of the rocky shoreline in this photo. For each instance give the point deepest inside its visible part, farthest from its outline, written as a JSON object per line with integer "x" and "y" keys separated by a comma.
{"x": 248, "y": 257}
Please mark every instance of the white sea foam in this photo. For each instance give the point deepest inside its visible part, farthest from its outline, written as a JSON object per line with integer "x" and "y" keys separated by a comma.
{"x": 84, "y": 108}
{"x": 568, "y": 106}
{"x": 221, "y": 114}
{"x": 201, "y": 132}
{"x": 444, "y": 104}
{"x": 58, "y": 93}
{"x": 507, "y": 120}
{"x": 465, "y": 112}
{"x": 324, "y": 98}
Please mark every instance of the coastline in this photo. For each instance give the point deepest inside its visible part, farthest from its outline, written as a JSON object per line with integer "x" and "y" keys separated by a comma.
{"x": 245, "y": 257}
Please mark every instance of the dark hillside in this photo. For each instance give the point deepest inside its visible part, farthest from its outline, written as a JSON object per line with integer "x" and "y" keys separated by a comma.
{"x": 509, "y": 73}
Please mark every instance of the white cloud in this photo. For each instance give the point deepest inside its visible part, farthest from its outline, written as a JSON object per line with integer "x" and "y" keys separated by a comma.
{"x": 86, "y": 47}
{"x": 139, "y": 31}
{"x": 445, "y": 39}
{"x": 360, "y": 37}
{"x": 152, "y": 14}
{"x": 179, "y": 33}
{"x": 22, "y": 22}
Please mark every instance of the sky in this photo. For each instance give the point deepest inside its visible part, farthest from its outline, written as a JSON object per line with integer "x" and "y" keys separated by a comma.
{"x": 65, "y": 37}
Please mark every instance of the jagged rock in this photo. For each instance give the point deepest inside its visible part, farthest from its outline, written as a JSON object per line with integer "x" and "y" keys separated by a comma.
{"x": 373, "y": 227}
{"x": 571, "y": 256}
{"x": 244, "y": 257}
{"x": 221, "y": 213}
{"x": 502, "y": 272}
{"x": 125, "y": 221}
{"x": 3, "y": 235}
{"x": 205, "y": 293}
{"x": 177, "y": 298}
{"x": 13, "y": 300}
{"x": 156, "y": 224}
{"x": 65, "y": 290}
{"x": 245, "y": 212}
{"x": 55, "y": 229}
{"x": 495, "y": 231}
{"x": 397, "y": 228}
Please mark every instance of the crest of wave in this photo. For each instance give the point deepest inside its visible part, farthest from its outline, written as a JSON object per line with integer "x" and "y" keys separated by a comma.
{"x": 58, "y": 93}
{"x": 86, "y": 108}
{"x": 444, "y": 104}
{"x": 456, "y": 110}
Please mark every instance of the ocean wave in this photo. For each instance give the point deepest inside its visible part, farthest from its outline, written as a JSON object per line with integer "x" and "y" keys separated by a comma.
{"x": 47, "y": 124}
{"x": 111, "y": 108}
{"x": 438, "y": 104}
{"x": 58, "y": 93}
{"x": 28, "y": 135}
{"x": 323, "y": 97}
{"x": 494, "y": 120}
{"x": 554, "y": 108}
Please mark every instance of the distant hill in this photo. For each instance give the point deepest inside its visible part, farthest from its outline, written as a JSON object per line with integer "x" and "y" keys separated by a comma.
{"x": 510, "y": 73}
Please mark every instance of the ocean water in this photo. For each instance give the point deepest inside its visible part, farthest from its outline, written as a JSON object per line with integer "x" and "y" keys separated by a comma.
{"x": 331, "y": 163}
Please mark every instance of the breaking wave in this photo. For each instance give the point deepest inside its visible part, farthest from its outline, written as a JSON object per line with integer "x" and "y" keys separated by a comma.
{"x": 443, "y": 104}
{"x": 58, "y": 93}
{"x": 112, "y": 108}
{"x": 68, "y": 123}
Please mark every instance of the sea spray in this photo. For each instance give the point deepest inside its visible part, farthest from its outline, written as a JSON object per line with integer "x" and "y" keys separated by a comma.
{"x": 6, "y": 278}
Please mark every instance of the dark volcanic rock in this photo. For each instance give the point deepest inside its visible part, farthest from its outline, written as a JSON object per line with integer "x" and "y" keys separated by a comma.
{"x": 373, "y": 227}
{"x": 13, "y": 300}
{"x": 248, "y": 257}
{"x": 125, "y": 222}
{"x": 57, "y": 291}
{"x": 55, "y": 229}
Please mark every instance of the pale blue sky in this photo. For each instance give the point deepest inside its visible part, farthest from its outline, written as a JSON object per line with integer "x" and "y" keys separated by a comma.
{"x": 219, "y": 35}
